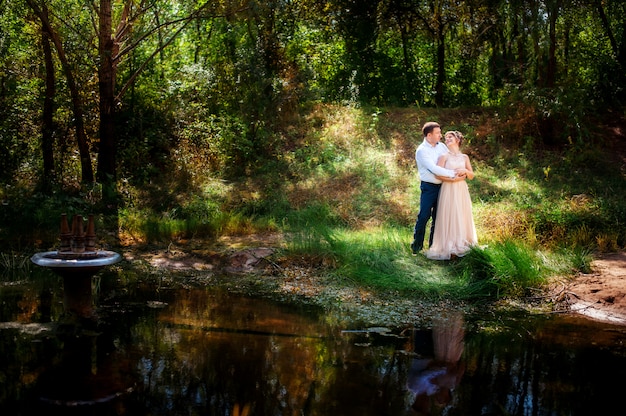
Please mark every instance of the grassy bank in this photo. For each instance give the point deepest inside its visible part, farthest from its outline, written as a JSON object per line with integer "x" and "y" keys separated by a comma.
{"x": 340, "y": 183}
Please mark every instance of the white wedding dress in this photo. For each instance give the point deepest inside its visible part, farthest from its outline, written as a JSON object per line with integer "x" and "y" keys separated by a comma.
{"x": 455, "y": 232}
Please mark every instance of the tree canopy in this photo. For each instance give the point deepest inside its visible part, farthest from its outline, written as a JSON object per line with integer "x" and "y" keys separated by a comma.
{"x": 106, "y": 89}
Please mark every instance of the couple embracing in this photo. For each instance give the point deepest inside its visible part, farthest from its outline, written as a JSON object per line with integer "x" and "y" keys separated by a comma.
{"x": 445, "y": 196}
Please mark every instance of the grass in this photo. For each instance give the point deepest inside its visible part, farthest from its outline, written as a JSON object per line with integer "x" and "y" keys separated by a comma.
{"x": 14, "y": 267}
{"x": 380, "y": 259}
{"x": 341, "y": 184}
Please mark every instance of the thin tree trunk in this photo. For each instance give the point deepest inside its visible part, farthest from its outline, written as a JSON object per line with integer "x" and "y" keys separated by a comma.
{"x": 537, "y": 75}
{"x": 408, "y": 73}
{"x": 47, "y": 136}
{"x": 607, "y": 27}
{"x": 106, "y": 74}
{"x": 553, "y": 14}
{"x": 441, "y": 69}
{"x": 618, "y": 50}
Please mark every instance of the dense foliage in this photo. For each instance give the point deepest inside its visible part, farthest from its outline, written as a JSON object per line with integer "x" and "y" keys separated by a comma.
{"x": 84, "y": 84}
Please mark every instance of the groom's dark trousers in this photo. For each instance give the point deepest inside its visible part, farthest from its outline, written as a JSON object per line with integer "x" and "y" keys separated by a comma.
{"x": 428, "y": 208}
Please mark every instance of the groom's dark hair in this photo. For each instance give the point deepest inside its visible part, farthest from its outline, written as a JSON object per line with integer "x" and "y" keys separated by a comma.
{"x": 429, "y": 127}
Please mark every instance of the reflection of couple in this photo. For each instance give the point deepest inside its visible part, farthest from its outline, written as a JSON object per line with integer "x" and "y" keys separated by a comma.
{"x": 444, "y": 195}
{"x": 433, "y": 380}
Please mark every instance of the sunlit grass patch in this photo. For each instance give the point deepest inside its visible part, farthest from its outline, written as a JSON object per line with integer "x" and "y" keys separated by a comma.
{"x": 522, "y": 203}
{"x": 608, "y": 242}
{"x": 380, "y": 258}
{"x": 498, "y": 223}
{"x": 580, "y": 259}
{"x": 365, "y": 190}
{"x": 343, "y": 125}
{"x": 504, "y": 269}
{"x": 214, "y": 209}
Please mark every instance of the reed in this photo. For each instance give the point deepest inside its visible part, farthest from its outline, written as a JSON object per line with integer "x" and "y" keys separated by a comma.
{"x": 14, "y": 267}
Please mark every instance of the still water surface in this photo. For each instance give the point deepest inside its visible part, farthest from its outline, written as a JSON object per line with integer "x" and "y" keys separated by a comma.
{"x": 201, "y": 351}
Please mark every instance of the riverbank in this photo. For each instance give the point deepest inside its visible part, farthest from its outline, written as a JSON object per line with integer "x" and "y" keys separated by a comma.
{"x": 253, "y": 265}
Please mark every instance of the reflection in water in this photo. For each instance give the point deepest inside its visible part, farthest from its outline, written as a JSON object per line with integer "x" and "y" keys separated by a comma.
{"x": 88, "y": 372}
{"x": 203, "y": 352}
{"x": 222, "y": 353}
{"x": 545, "y": 367}
{"x": 433, "y": 379}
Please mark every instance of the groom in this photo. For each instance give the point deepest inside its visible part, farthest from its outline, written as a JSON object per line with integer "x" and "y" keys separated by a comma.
{"x": 426, "y": 157}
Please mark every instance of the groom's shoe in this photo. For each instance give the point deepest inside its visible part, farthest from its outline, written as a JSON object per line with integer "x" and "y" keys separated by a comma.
{"x": 414, "y": 248}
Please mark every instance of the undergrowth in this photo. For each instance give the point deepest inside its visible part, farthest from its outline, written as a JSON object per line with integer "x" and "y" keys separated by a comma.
{"x": 341, "y": 183}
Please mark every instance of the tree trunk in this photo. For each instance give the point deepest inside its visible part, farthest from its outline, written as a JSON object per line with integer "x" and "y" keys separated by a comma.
{"x": 618, "y": 50}
{"x": 553, "y": 14}
{"x": 536, "y": 75}
{"x": 106, "y": 74}
{"x": 408, "y": 72}
{"x": 441, "y": 69}
{"x": 47, "y": 136}
{"x": 607, "y": 27}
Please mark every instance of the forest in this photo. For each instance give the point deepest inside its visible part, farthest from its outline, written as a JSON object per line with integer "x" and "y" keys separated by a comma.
{"x": 192, "y": 118}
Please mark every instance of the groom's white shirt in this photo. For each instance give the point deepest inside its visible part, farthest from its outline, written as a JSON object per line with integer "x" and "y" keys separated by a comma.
{"x": 426, "y": 157}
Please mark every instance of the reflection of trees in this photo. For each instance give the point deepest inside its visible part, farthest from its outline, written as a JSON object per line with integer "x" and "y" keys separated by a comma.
{"x": 20, "y": 367}
{"x": 544, "y": 372}
{"x": 525, "y": 367}
{"x": 38, "y": 301}
{"x": 506, "y": 378}
{"x": 210, "y": 355}
{"x": 207, "y": 354}
{"x": 367, "y": 379}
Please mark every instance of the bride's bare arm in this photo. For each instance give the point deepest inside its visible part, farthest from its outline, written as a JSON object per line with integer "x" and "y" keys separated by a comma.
{"x": 469, "y": 172}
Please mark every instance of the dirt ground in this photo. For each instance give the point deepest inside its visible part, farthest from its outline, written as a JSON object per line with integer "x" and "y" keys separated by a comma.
{"x": 600, "y": 294}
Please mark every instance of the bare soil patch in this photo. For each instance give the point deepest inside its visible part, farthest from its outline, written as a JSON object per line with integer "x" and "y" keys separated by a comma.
{"x": 599, "y": 295}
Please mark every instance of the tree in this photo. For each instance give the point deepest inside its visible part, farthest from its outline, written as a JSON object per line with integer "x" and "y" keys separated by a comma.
{"x": 614, "y": 26}
{"x": 47, "y": 136}
{"x": 436, "y": 19}
{"x": 41, "y": 11}
{"x": 110, "y": 55}
{"x": 246, "y": 62}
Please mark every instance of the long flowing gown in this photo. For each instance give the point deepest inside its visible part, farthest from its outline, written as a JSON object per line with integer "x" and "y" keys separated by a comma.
{"x": 455, "y": 232}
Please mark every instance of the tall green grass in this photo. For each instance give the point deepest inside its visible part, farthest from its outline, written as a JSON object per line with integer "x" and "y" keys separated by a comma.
{"x": 149, "y": 227}
{"x": 503, "y": 269}
{"x": 380, "y": 259}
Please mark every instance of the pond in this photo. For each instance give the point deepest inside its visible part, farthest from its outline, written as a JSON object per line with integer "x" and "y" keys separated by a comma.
{"x": 204, "y": 351}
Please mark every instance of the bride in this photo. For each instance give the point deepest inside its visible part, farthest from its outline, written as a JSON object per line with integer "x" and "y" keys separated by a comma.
{"x": 455, "y": 233}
